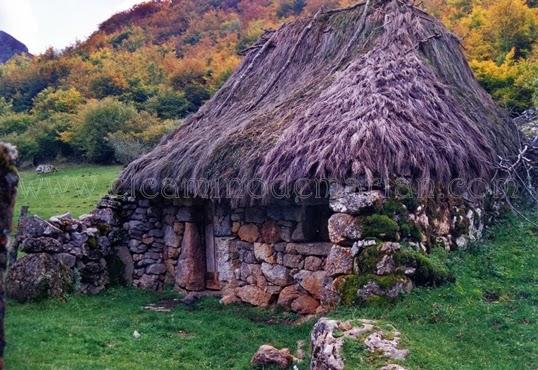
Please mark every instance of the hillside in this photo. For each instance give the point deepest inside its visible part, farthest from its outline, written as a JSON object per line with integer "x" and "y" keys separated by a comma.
{"x": 10, "y": 46}
{"x": 113, "y": 96}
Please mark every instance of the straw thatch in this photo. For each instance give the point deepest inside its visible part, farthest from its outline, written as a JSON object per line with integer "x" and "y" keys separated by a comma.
{"x": 374, "y": 91}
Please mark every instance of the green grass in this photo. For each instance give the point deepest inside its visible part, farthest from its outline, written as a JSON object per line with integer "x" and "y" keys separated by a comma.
{"x": 486, "y": 319}
{"x": 74, "y": 189}
{"x": 97, "y": 333}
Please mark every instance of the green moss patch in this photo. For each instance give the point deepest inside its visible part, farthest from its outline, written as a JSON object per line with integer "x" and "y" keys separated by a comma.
{"x": 352, "y": 283}
{"x": 382, "y": 227}
{"x": 431, "y": 270}
{"x": 368, "y": 259}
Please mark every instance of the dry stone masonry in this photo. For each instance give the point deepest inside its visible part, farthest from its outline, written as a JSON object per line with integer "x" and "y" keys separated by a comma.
{"x": 328, "y": 338}
{"x": 355, "y": 247}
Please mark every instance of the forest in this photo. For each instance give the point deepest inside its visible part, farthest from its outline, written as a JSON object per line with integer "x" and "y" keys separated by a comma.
{"x": 112, "y": 97}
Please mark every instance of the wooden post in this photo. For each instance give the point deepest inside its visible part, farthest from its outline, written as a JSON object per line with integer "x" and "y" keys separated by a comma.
{"x": 13, "y": 252}
{"x": 8, "y": 188}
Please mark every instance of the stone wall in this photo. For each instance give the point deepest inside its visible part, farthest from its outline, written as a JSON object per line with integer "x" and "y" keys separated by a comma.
{"x": 84, "y": 246}
{"x": 274, "y": 255}
{"x": 264, "y": 255}
{"x": 306, "y": 258}
{"x": 382, "y": 246}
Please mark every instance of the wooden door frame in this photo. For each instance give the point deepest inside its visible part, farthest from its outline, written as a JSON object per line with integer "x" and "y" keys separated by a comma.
{"x": 212, "y": 280}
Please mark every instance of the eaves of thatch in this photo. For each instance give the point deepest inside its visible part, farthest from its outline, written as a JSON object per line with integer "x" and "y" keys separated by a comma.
{"x": 375, "y": 91}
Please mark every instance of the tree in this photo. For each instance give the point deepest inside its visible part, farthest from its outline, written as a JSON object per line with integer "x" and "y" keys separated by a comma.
{"x": 169, "y": 104}
{"x": 15, "y": 123}
{"x": 89, "y": 130}
{"x": 50, "y": 101}
{"x": 497, "y": 27}
{"x": 290, "y": 7}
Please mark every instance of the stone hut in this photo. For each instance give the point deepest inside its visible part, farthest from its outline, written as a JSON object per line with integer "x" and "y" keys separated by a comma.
{"x": 346, "y": 147}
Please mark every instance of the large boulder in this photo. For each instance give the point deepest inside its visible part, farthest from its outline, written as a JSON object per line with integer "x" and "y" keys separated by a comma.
{"x": 254, "y": 295}
{"x": 345, "y": 200}
{"x": 276, "y": 274}
{"x": 38, "y": 276}
{"x": 44, "y": 169}
{"x": 339, "y": 261}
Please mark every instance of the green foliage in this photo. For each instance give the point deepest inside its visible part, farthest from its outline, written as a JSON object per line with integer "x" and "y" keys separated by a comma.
{"x": 15, "y": 123}
{"x": 93, "y": 123}
{"x": 352, "y": 283}
{"x": 290, "y": 7}
{"x": 368, "y": 259}
{"x": 381, "y": 226}
{"x": 500, "y": 40}
{"x": 486, "y": 319}
{"x": 50, "y": 101}
{"x": 104, "y": 85}
{"x": 350, "y": 286}
{"x": 140, "y": 135}
{"x": 46, "y": 136}
{"x": 487, "y": 316}
{"x": 196, "y": 95}
{"x": 169, "y": 105}
{"x": 5, "y": 107}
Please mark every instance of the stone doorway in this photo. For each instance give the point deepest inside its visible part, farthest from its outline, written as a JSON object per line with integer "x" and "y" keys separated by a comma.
{"x": 196, "y": 268}
{"x": 211, "y": 275}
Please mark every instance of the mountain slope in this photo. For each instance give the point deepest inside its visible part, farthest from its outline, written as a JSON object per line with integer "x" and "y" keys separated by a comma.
{"x": 10, "y": 46}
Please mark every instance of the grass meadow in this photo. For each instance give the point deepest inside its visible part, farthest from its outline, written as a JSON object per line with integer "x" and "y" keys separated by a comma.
{"x": 75, "y": 189}
{"x": 486, "y": 319}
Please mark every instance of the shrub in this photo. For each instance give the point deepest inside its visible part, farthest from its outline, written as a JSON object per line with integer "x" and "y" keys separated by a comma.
{"x": 15, "y": 123}
{"x": 139, "y": 135}
{"x": 431, "y": 269}
{"x": 50, "y": 101}
{"x": 88, "y": 133}
{"x": 126, "y": 148}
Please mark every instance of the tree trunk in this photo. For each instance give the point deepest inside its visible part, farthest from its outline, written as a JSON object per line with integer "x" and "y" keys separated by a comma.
{"x": 8, "y": 187}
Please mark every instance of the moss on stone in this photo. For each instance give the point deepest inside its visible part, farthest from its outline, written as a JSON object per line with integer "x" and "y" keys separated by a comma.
{"x": 407, "y": 196}
{"x": 92, "y": 242}
{"x": 382, "y": 227}
{"x": 398, "y": 211}
{"x": 348, "y": 290}
{"x": 431, "y": 270}
{"x": 410, "y": 231}
{"x": 388, "y": 281}
{"x": 394, "y": 207}
{"x": 461, "y": 226}
{"x": 367, "y": 260}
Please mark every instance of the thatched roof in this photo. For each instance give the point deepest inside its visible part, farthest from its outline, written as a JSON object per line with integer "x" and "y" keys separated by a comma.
{"x": 378, "y": 90}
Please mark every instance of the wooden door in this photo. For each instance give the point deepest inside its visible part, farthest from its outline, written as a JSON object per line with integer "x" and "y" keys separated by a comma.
{"x": 212, "y": 280}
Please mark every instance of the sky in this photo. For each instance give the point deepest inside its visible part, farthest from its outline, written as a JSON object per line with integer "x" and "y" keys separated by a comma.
{"x": 40, "y": 24}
